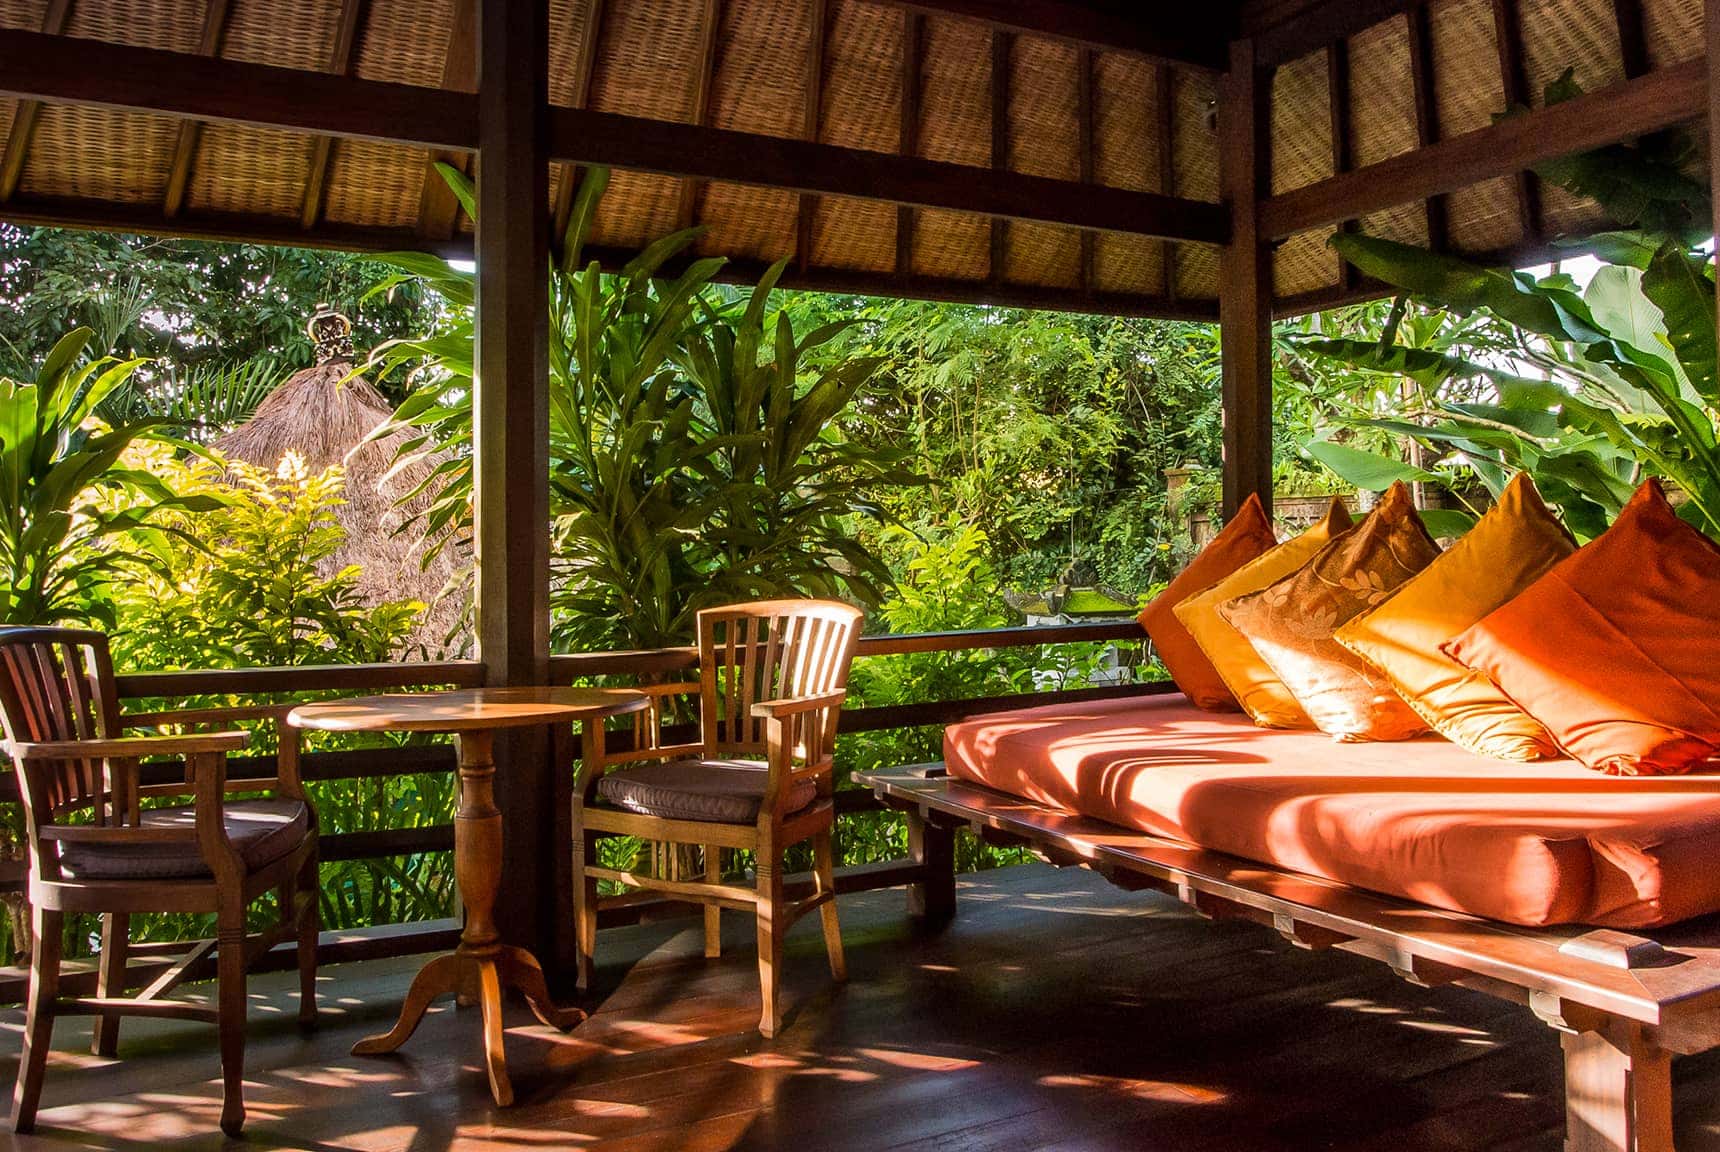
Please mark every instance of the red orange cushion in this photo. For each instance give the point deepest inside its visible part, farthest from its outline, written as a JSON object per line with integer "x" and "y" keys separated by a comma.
{"x": 1614, "y": 649}
{"x": 1248, "y": 535}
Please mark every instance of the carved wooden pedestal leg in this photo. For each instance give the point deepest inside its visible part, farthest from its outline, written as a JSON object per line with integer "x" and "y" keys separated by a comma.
{"x": 481, "y": 962}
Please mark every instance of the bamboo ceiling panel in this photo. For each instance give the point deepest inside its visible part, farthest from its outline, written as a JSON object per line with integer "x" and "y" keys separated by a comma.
{"x": 836, "y": 72}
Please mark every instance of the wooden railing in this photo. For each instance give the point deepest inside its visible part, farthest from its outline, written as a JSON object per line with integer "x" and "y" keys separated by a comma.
{"x": 248, "y": 684}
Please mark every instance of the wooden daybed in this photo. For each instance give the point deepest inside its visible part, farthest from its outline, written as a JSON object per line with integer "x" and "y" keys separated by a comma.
{"x": 1624, "y": 1001}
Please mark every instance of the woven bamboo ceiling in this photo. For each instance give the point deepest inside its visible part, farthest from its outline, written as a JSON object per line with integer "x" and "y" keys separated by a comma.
{"x": 1066, "y": 112}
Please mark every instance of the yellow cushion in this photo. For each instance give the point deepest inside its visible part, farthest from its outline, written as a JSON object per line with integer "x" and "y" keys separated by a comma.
{"x": 1509, "y": 548}
{"x": 1262, "y": 695}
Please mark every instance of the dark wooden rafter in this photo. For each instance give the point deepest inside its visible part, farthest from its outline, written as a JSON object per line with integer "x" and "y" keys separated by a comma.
{"x": 24, "y": 117}
{"x": 1514, "y": 79}
{"x": 1002, "y": 55}
{"x": 705, "y": 72}
{"x": 1427, "y": 117}
{"x": 113, "y": 75}
{"x": 191, "y": 131}
{"x": 1632, "y": 37}
{"x": 1165, "y": 107}
{"x": 908, "y": 140}
{"x": 1711, "y": 9}
{"x": 1193, "y": 35}
{"x": 438, "y": 207}
{"x": 1313, "y": 26}
{"x": 1245, "y": 279}
{"x": 1343, "y": 152}
{"x": 806, "y": 210}
{"x": 339, "y": 63}
{"x": 584, "y": 67}
{"x": 1085, "y": 131}
{"x": 1623, "y": 111}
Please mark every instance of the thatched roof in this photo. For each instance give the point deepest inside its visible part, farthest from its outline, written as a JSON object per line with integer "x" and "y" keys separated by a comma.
{"x": 1099, "y": 96}
{"x": 325, "y": 415}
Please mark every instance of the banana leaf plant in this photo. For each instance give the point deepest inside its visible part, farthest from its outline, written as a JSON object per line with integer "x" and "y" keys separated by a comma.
{"x": 694, "y": 458}
{"x": 64, "y": 489}
{"x": 1593, "y": 387}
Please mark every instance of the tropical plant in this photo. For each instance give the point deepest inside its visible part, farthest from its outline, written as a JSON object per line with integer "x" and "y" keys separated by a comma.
{"x": 56, "y": 465}
{"x": 1586, "y": 388}
{"x": 200, "y": 403}
{"x": 694, "y": 453}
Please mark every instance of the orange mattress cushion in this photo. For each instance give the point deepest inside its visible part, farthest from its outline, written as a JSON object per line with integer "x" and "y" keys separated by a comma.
{"x": 1534, "y": 844}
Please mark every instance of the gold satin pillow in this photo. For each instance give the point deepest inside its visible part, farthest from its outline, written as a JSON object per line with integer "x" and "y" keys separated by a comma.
{"x": 1513, "y": 545}
{"x": 1262, "y": 695}
{"x": 1291, "y": 623}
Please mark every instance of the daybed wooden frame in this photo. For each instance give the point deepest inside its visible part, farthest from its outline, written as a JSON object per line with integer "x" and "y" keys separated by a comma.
{"x": 1624, "y": 1004}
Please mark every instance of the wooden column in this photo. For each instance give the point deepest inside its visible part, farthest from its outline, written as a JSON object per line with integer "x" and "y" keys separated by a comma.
{"x": 1712, "y": 15}
{"x": 1245, "y": 280}
{"x": 511, "y": 452}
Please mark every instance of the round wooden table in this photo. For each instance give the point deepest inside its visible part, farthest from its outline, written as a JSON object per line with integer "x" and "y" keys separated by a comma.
{"x": 481, "y": 962}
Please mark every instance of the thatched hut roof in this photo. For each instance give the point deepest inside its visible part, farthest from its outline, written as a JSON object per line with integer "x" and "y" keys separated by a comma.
{"x": 326, "y": 414}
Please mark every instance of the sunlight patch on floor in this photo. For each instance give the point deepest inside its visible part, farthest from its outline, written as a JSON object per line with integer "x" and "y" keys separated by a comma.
{"x": 1162, "y": 1090}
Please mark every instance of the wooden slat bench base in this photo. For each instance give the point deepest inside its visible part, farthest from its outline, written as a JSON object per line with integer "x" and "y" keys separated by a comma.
{"x": 1625, "y": 1003}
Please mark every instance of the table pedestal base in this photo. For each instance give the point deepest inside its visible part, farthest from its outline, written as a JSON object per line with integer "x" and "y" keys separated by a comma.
{"x": 505, "y": 967}
{"x": 482, "y": 965}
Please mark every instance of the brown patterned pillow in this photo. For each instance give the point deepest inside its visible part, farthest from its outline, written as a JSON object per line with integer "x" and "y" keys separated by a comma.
{"x": 1291, "y": 622}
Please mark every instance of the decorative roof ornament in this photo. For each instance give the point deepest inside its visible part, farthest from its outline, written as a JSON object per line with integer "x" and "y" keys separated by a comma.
{"x": 331, "y": 332}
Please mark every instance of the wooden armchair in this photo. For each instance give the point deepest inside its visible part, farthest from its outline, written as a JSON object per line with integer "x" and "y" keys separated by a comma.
{"x": 63, "y": 734}
{"x": 772, "y": 678}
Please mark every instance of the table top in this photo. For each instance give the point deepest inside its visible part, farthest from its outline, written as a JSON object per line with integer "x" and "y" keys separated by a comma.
{"x": 466, "y": 709}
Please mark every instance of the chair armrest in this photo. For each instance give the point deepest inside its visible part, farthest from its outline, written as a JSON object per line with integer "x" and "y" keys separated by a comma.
{"x": 127, "y": 747}
{"x": 794, "y": 705}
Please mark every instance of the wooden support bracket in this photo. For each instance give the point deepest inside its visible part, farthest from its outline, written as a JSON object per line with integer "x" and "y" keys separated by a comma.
{"x": 1311, "y": 937}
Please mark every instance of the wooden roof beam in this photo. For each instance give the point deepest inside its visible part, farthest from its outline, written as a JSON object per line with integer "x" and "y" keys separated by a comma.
{"x": 1165, "y": 100}
{"x": 1623, "y": 111}
{"x": 59, "y": 68}
{"x": 190, "y": 131}
{"x": 584, "y": 67}
{"x": 710, "y": 21}
{"x": 1192, "y": 36}
{"x": 1317, "y": 23}
{"x": 438, "y": 207}
{"x": 806, "y": 209}
{"x": 340, "y": 55}
{"x": 1002, "y": 55}
{"x": 100, "y": 216}
{"x": 24, "y": 117}
{"x": 913, "y": 45}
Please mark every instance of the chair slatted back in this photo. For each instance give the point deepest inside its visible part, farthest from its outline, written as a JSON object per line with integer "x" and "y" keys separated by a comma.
{"x": 770, "y": 650}
{"x": 58, "y": 684}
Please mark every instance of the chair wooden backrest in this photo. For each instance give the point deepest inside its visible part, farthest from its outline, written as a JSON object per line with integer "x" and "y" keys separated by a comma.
{"x": 57, "y": 684}
{"x": 770, "y": 650}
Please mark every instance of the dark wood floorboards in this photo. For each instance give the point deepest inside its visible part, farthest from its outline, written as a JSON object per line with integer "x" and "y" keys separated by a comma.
{"x": 1057, "y": 1014}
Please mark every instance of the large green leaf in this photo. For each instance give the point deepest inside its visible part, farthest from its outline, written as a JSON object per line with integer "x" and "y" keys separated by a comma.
{"x": 1367, "y": 469}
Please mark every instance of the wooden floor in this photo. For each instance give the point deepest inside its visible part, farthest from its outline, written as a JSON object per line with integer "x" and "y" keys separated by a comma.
{"x": 1057, "y": 1013}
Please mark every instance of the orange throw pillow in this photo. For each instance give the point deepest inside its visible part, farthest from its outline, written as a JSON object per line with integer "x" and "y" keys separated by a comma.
{"x": 1262, "y": 695}
{"x": 1614, "y": 649}
{"x": 1248, "y": 535}
{"x": 1511, "y": 546}
{"x": 1291, "y": 623}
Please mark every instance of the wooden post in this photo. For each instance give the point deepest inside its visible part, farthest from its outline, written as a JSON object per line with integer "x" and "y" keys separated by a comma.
{"x": 1245, "y": 281}
{"x": 511, "y": 451}
{"x": 932, "y": 847}
{"x": 1712, "y": 14}
{"x": 1618, "y": 1093}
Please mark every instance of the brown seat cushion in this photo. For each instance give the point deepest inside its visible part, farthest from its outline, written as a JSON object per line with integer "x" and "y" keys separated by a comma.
{"x": 1548, "y": 842}
{"x": 713, "y": 791}
{"x": 262, "y": 830}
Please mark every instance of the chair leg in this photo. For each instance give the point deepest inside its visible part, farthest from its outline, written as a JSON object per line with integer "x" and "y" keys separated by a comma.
{"x": 110, "y": 979}
{"x": 824, "y": 870}
{"x": 769, "y": 913}
{"x": 584, "y": 907}
{"x": 310, "y": 927}
{"x": 713, "y": 913}
{"x": 39, "y": 1016}
{"x": 230, "y": 1004}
